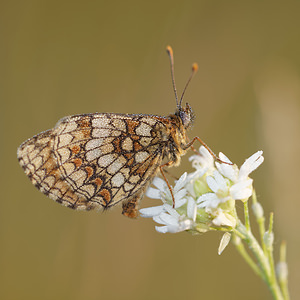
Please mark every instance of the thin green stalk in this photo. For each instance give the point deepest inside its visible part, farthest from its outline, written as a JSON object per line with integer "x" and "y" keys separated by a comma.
{"x": 269, "y": 245}
{"x": 254, "y": 246}
{"x": 241, "y": 249}
{"x": 262, "y": 260}
{"x": 246, "y": 214}
{"x": 261, "y": 223}
{"x": 283, "y": 272}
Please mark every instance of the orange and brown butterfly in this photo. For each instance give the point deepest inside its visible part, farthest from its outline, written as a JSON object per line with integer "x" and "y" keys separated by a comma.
{"x": 98, "y": 160}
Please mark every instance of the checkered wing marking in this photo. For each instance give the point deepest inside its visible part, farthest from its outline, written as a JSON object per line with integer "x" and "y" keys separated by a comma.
{"x": 93, "y": 161}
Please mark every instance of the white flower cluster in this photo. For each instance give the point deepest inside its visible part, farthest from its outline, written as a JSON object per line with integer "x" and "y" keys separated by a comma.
{"x": 204, "y": 199}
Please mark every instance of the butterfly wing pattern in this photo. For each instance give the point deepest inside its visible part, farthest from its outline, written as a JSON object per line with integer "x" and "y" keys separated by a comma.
{"x": 94, "y": 161}
{"x": 98, "y": 160}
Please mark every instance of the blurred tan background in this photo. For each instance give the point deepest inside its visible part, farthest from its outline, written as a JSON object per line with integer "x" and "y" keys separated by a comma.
{"x": 61, "y": 58}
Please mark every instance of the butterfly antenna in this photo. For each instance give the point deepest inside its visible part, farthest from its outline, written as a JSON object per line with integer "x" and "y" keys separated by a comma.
{"x": 194, "y": 71}
{"x": 171, "y": 56}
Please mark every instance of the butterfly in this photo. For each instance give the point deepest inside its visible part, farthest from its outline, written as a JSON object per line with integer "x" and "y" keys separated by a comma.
{"x": 94, "y": 161}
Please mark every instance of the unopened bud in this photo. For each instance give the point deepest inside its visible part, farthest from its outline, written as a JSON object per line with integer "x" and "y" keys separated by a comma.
{"x": 257, "y": 210}
{"x": 282, "y": 271}
{"x": 269, "y": 239}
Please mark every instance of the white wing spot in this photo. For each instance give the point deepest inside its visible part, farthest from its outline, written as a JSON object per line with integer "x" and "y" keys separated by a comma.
{"x": 127, "y": 144}
{"x": 65, "y": 139}
{"x": 101, "y": 122}
{"x": 143, "y": 130}
{"x": 116, "y": 165}
{"x": 116, "y": 132}
{"x": 94, "y": 143}
{"x": 119, "y": 124}
{"x": 149, "y": 121}
{"x": 141, "y": 156}
{"x": 106, "y": 160}
{"x": 101, "y": 132}
{"x": 92, "y": 154}
{"x": 128, "y": 186}
{"x": 117, "y": 180}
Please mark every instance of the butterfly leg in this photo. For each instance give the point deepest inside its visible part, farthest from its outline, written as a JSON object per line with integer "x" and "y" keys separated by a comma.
{"x": 196, "y": 138}
{"x": 130, "y": 207}
{"x": 171, "y": 175}
{"x": 168, "y": 164}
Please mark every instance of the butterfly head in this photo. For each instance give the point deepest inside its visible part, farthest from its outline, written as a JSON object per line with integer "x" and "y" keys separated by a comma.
{"x": 186, "y": 115}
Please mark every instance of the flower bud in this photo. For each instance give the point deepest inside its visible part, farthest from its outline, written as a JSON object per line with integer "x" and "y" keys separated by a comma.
{"x": 269, "y": 239}
{"x": 282, "y": 271}
{"x": 258, "y": 210}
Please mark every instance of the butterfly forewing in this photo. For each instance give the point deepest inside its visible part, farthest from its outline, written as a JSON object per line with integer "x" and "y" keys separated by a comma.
{"x": 97, "y": 160}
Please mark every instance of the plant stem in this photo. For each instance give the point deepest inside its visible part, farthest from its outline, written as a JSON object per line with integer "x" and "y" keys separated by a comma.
{"x": 283, "y": 272}
{"x": 263, "y": 261}
{"x": 241, "y": 249}
{"x": 246, "y": 214}
{"x": 269, "y": 247}
{"x": 261, "y": 223}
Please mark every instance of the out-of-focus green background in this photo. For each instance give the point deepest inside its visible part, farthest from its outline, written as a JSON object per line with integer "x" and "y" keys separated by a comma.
{"x": 61, "y": 58}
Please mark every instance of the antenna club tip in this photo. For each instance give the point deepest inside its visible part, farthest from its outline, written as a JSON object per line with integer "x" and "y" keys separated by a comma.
{"x": 169, "y": 50}
{"x": 195, "y": 67}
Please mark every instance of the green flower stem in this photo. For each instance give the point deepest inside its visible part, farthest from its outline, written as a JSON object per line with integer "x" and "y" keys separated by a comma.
{"x": 283, "y": 276}
{"x": 246, "y": 214}
{"x": 261, "y": 224}
{"x": 263, "y": 261}
{"x": 241, "y": 249}
{"x": 270, "y": 253}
